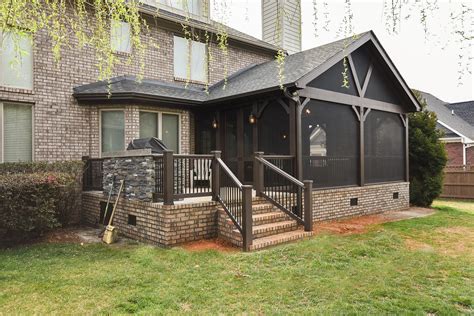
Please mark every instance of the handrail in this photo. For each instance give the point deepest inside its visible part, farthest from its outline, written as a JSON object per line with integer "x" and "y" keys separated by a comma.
{"x": 284, "y": 191}
{"x": 280, "y": 172}
{"x": 230, "y": 173}
{"x": 278, "y": 156}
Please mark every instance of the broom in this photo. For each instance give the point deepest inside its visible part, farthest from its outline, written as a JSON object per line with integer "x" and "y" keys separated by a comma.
{"x": 110, "y": 233}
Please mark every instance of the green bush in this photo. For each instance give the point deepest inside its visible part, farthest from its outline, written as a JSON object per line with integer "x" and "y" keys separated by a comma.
{"x": 427, "y": 156}
{"x": 38, "y": 196}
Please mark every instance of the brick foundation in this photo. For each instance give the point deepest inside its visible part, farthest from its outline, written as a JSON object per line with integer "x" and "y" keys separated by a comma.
{"x": 332, "y": 204}
{"x": 164, "y": 225}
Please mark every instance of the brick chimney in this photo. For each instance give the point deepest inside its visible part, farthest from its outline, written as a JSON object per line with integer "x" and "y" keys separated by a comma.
{"x": 281, "y": 24}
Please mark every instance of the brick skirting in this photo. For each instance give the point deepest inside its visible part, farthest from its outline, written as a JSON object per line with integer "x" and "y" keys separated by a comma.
{"x": 332, "y": 204}
{"x": 159, "y": 224}
{"x": 169, "y": 225}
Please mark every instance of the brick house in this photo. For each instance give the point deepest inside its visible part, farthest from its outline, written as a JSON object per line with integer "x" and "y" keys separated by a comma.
{"x": 286, "y": 151}
{"x": 455, "y": 120}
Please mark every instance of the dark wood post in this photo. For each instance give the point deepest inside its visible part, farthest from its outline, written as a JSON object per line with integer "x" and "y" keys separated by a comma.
{"x": 308, "y": 205}
{"x": 247, "y": 217}
{"x": 168, "y": 179}
{"x": 215, "y": 174}
{"x": 407, "y": 150}
{"x": 258, "y": 174}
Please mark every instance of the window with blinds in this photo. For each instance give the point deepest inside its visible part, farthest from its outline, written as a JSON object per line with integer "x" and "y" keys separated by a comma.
{"x": 164, "y": 126}
{"x": 17, "y": 132}
{"x": 120, "y": 36}
{"x": 16, "y": 61}
{"x": 190, "y": 59}
{"x": 112, "y": 131}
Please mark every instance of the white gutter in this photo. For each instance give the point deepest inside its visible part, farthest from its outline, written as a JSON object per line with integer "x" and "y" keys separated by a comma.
{"x": 466, "y": 141}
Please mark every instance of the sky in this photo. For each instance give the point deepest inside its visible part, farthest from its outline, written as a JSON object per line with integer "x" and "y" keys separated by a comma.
{"x": 429, "y": 63}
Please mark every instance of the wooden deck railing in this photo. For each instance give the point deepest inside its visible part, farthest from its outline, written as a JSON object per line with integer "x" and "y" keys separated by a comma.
{"x": 284, "y": 191}
{"x": 92, "y": 176}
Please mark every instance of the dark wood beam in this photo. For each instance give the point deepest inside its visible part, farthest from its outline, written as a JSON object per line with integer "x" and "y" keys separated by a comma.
{"x": 366, "y": 80}
{"x": 336, "y": 97}
{"x": 354, "y": 74}
{"x": 407, "y": 150}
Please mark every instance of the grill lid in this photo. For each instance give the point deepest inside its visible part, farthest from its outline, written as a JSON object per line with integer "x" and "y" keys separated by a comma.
{"x": 156, "y": 145}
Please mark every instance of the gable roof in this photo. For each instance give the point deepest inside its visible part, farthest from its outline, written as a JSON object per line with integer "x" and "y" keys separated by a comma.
{"x": 452, "y": 122}
{"x": 298, "y": 69}
{"x": 464, "y": 110}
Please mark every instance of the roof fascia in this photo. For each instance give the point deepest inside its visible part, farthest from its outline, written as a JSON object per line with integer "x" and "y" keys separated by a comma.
{"x": 469, "y": 140}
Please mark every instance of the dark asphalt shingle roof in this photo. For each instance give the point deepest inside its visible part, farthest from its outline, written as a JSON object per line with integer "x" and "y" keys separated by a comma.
{"x": 465, "y": 110}
{"x": 445, "y": 116}
{"x": 253, "y": 79}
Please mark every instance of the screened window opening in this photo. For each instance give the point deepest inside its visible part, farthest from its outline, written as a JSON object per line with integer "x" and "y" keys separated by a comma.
{"x": 120, "y": 36}
{"x": 190, "y": 59}
{"x": 205, "y": 133}
{"x": 162, "y": 126}
{"x": 16, "y": 61}
{"x": 384, "y": 147}
{"x": 112, "y": 131}
{"x": 330, "y": 140}
{"x": 17, "y": 132}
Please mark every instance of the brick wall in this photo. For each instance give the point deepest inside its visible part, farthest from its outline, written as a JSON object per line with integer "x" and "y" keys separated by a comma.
{"x": 65, "y": 130}
{"x": 335, "y": 203}
{"x": 158, "y": 224}
{"x": 454, "y": 152}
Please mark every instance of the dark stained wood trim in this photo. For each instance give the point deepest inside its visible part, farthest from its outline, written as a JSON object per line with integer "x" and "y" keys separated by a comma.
{"x": 336, "y": 97}
{"x": 361, "y": 148}
{"x": 356, "y": 111}
{"x": 303, "y": 81}
{"x": 354, "y": 74}
{"x": 284, "y": 105}
{"x": 367, "y": 79}
{"x": 407, "y": 150}
{"x": 404, "y": 119}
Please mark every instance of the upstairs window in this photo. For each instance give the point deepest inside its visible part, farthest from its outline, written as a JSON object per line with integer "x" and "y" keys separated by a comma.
{"x": 16, "y": 132}
{"x": 191, "y": 6}
{"x": 190, "y": 60}
{"x": 120, "y": 36}
{"x": 16, "y": 61}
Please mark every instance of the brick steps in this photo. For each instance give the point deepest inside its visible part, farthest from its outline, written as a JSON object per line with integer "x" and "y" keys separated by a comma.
{"x": 273, "y": 240}
{"x": 271, "y": 226}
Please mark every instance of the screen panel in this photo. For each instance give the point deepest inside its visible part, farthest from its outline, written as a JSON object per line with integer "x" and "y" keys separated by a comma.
{"x": 330, "y": 144}
{"x": 273, "y": 130}
{"x": 384, "y": 144}
{"x": 332, "y": 79}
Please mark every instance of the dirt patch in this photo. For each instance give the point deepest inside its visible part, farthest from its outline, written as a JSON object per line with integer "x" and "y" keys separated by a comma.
{"x": 359, "y": 225}
{"x": 61, "y": 235}
{"x": 210, "y": 244}
{"x": 416, "y": 245}
{"x": 455, "y": 241}
{"x": 356, "y": 225}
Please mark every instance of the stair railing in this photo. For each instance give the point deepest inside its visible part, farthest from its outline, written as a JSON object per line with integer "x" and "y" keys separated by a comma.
{"x": 235, "y": 198}
{"x": 284, "y": 191}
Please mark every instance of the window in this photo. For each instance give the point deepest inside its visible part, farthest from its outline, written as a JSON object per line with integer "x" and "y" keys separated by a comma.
{"x": 384, "y": 147}
{"x": 190, "y": 59}
{"x": 16, "y": 61}
{"x": 164, "y": 126}
{"x": 120, "y": 36}
{"x": 191, "y": 6}
{"x": 16, "y": 132}
{"x": 112, "y": 131}
{"x": 330, "y": 144}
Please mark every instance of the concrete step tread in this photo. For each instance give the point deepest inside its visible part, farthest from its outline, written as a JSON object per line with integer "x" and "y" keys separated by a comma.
{"x": 263, "y": 242}
{"x": 255, "y": 207}
{"x": 273, "y": 226}
{"x": 269, "y": 215}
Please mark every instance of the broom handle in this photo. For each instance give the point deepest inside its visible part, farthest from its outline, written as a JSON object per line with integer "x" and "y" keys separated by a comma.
{"x": 116, "y": 202}
{"x": 108, "y": 200}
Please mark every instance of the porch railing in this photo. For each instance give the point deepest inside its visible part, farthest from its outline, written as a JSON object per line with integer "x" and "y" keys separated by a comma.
{"x": 284, "y": 191}
{"x": 283, "y": 162}
{"x": 92, "y": 176}
{"x": 182, "y": 176}
{"x": 235, "y": 198}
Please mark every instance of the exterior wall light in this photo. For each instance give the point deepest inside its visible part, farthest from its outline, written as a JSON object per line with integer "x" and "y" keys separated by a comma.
{"x": 284, "y": 136}
{"x": 214, "y": 124}
{"x": 308, "y": 111}
{"x": 252, "y": 119}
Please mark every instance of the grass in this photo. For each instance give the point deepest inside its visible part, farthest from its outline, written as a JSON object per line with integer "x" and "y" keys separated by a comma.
{"x": 416, "y": 266}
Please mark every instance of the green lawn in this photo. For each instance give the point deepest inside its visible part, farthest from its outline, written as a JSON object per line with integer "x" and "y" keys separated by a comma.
{"x": 416, "y": 266}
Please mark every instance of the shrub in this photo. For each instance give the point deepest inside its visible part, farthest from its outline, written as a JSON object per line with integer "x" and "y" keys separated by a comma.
{"x": 29, "y": 203}
{"x": 38, "y": 196}
{"x": 427, "y": 156}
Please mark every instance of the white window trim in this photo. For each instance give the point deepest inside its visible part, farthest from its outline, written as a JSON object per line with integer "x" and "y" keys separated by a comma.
{"x": 2, "y": 124}
{"x": 100, "y": 127}
{"x": 160, "y": 125}
{"x": 32, "y": 74}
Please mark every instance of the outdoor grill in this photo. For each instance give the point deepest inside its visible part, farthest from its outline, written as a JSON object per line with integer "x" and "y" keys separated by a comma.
{"x": 156, "y": 145}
